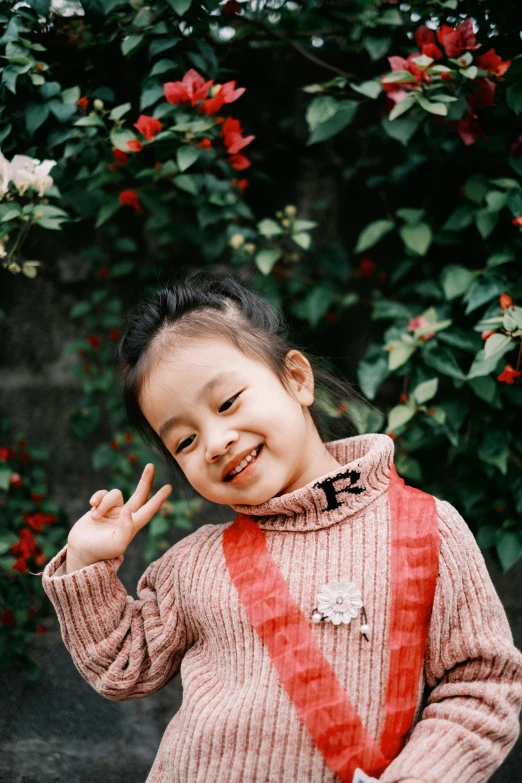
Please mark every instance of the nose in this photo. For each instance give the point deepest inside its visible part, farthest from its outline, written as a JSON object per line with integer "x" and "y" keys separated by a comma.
{"x": 218, "y": 443}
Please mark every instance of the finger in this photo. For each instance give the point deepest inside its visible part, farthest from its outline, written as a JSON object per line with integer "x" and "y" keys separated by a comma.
{"x": 146, "y": 512}
{"x": 111, "y": 499}
{"x": 142, "y": 491}
{"x": 95, "y": 499}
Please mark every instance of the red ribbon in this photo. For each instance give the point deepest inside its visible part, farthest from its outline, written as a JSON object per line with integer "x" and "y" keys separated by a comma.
{"x": 307, "y": 676}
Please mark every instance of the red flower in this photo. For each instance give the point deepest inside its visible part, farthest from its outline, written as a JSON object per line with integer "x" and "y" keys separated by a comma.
{"x": 205, "y": 144}
{"x": 148, "y": 126}
{"x": 192, "y": 88}
{"x": 95, "y": 341}
{"x": 6, "y": 453}
{"x": 516, "y": 147}
{"x": 445, "y": 76}
{"x": 505, "y": 301}
{"x": 484, "y": 96}
{"x": 40, "y": 629}
{"x": 115, "y": 444}
{"x": 239, "y": 162}
{"x": 114, "y": 335}
{"x": 400, "y": 64}
{"x": 232, "y": 138}
{"x": 459, "y": 39}
{"x": 130, "y": 199}
{"x": 469, "y": 130}
{"x": 509, "y": 375}
{"x": 419, "y": 322}
{"x": 120, "y": 156}
{"x": 128, "y": 437}
{"x": 86, "y": 366}
{"x": 36, "y": 497}
{"x": 231, "y": 7}
{"x": 366, "y": 268}
{"x": 15, "y": 480}
{"x": 243, "y": 184}
{"x": 132, "y": 458}
{"x": 104, "y": 273}
{"x": 83, "y": 103}
{"x": 26, "y": 545}
{"x": 425, "y": 40}
{"x": 19, "y": 565}
{"x": 38, "y": 520}
{"x": 40, "y": 559}
{"x": 134, "y": 145}
{"x": 226, "y": 93}
{"x": 492, "y": 63}
{"x": 517, "y": 221}
{"x": 485, "y": 335}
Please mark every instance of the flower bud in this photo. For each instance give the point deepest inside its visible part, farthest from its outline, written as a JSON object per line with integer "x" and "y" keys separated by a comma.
{"x": 214, "y": 90}
{"x": 98, "y": 104}
{"x": 236, "y": 241}
{"x": 250, "y": 247}
{"x": 285, "y": 222}
{"x": 291, "y": 210}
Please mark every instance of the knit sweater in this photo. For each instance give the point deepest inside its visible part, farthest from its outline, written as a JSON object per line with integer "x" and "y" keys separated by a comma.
{"x": 237, "y": 722}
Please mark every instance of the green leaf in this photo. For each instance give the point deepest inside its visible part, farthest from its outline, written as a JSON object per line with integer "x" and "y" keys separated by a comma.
{"x": 416, "y": 238}
{"x": 344, "y": 115}
{"x": 482, "y": 366}
{"x": 315, "y": 303}
{"x": 9, "y": 211}
{"x": 460, "y": 218}
{"x": 514, "y": 202}
{"x": 186, "y": 156}
{"x": 410, "y": 216}
{"x": 476, "y": 188}
{"x": 372, "y": 233}
{"x": 486, "y": 222}
{"x": 483, "y": 290}
{"x": 401, "y": 107}
{"x": 399, "y": 416}
{"x": 455, "y": 280}
{"x": 509, "y": 548}
{"x": 162, "y": 66}
{"x": 71, "y": 95}
{"x": 403, "y": 128}
{"x": 35, "y": 115}
{"x": 496, "y": 200}
{"x": 269, "y": 228}
{"x": 372, "y": 371}
{"x": 90, "y": 121}
{"x": 180, "y": 6}
{"x": 495, "y": 343}
{"x": 433, "y": 108}
{"x": 487, "y": 536}
{"x": 122, "y": 268}
{"x": 440, "y": 358}
{"x": 151, "y": 94}
{"x": 119, "y": 139}
{"x": 399, "y": 76}
{"x": 320, "y": 110}
{"x": 426, "y": 390}
{"x": 303, "y": 225}
{"x": 79, "y": 309}
{"x": 304, "y": 240}
{"x": 399, "y": 353}
{"x": 514, "y": 98}
{"x": 372, "y": 88}
{"x": 494, "y": 449}
{"x": 131, "y": 43}
{"x": 266, "y": 258}
{"x": 7, "y": 538}
{"x": 377, "y": 46}
{"x": 188, "y": 183}
{"x": 118, "y": 111}
{"x": 106, "y": 212}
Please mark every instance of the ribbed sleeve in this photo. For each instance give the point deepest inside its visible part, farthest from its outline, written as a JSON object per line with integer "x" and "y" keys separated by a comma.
{"x": 125, "y": 648}
{"x": 470, "y": 722}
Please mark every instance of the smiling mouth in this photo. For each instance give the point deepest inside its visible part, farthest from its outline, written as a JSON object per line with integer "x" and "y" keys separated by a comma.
{"x": 244, "y": 464}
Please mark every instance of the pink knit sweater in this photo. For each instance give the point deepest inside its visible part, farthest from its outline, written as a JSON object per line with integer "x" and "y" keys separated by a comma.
{"x": 237, "y": 723}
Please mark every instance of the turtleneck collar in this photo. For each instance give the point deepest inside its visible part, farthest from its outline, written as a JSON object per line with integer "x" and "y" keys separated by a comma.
{"x": 367, "y": 462}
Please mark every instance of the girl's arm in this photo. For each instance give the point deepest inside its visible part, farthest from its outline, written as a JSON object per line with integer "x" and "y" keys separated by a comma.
{"x": 125, "y": 648}
{"x": 470, "y": 722}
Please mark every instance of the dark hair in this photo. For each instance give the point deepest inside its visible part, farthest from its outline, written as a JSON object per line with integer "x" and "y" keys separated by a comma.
{"x": 203, "y": 303}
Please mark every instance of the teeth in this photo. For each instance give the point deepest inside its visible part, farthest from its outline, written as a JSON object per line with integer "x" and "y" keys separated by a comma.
{"x": 245, "y": 462}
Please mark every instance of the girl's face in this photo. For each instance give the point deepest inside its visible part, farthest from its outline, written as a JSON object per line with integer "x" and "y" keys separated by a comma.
{"x": 212, "y": 406}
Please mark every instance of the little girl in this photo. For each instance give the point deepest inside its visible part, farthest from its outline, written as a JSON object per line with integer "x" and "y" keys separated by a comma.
{"x": 306, "y": 628}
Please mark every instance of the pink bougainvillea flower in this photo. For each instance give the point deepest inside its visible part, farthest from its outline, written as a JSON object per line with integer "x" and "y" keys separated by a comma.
{"x": 205, "y": 143}
{"x": 231, "y": 7}
{"x": 400, "y": 64}
{"x": 83, "y": 103}
{"x": 148, "y": 126}
{"x": 469, "y": 130}
{"x": 509, "y": 375}
{"x": 239, "y": 162}
{"x": 485, "y": 335}
{"x": 505, "y": 301}
{"x": 425, "y": 40}
{"x": 130, "y": 199}
{"x": 231, "y": 131}
{"x": 459, "y": 39}
{"x": 517, "y": 221}
{"x": 120, "y": 156}
{"x": 134, "y": 145}
{"x": 38, "y": 520}
{"x": 221, "y": 94}
{"x": 192, "y": 88}
{"x": 492, "y": 63}
{"x": 26, "y": 545}
{"x": 419, "y": 322}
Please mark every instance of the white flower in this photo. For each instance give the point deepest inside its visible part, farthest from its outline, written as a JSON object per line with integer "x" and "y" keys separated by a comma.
{"x": 339, "y": 601}
{"x": 21, "y": 170}
{"x": 4, "y": 175}
{"x": 42, "y": 181}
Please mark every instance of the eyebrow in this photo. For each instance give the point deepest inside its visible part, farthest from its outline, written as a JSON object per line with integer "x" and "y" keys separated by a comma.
{"x": 205, "y": 389}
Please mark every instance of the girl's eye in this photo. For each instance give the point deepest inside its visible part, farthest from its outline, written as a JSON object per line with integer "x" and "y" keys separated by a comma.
{"x": 231, "y": 400}
{"x": 183, "y": 444}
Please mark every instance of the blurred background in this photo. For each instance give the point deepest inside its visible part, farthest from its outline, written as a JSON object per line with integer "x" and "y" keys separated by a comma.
{"x": 359, "y": 165}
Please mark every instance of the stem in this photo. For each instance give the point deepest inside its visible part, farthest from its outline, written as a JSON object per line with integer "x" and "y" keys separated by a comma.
{"x": 519, "y": 355}
{"x": 20, "y": 239}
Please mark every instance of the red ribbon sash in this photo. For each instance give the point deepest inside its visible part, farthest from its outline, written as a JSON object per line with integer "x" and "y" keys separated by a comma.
{"x": 307, "y": 676}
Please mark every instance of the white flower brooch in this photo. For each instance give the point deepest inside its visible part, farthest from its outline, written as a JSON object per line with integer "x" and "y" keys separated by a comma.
{"x": 339, "y": 602}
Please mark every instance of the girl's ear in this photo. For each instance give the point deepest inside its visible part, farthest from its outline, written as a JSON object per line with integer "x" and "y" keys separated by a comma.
{"x": 300, "y": 376}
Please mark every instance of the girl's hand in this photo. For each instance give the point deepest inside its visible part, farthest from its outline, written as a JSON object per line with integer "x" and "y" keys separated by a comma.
{"x": 108, "y": 528}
